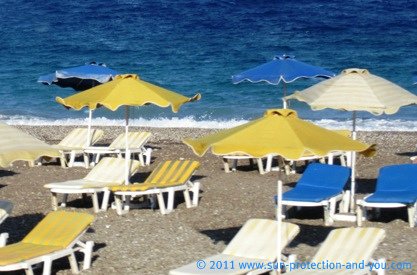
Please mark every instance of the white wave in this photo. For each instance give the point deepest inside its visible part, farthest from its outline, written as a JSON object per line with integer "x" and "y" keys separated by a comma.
{"x": 190, "y": 122}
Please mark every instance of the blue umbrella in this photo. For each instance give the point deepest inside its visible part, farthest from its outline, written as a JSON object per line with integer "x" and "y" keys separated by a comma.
{"x": 283, "y": 68}
{"x": 80, "y": 78}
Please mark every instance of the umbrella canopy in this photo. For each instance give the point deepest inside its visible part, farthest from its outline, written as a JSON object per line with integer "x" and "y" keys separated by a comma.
{"x": 80, "y": 78}
{"x": 279, "y": 132}
{"x": 17, "y": 145}
{"x": 282, "y": 68}
{"x": 126, "y": 90}
{"x": 356, "y": 90}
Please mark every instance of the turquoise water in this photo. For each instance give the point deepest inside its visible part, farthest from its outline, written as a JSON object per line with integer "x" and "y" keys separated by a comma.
{"x": 195, "y": 46}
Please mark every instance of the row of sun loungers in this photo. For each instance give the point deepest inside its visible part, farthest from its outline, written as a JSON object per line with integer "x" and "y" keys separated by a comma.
{"x": 323, "y": 185}
{"x": 76, "y": 144}
{"x": 108, "y": 175}
{"x": 59, "y": 235}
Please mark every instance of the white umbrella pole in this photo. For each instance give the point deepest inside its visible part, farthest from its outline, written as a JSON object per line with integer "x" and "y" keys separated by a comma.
{"x": 90, "y": 119}
{"x": 279, "y": 224}
{"x": 353, "y": 164}
{"x": 127, "y": 152}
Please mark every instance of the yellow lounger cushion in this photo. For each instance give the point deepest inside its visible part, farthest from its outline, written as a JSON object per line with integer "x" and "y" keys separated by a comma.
{"x": 167, "y": 174}
{"x": 59, "y": 228}
{"x": 18, "y": 252}
{"x": 134, "y": 139}
{"x": 77, "y": 138}
{"x": 55, "y": 232}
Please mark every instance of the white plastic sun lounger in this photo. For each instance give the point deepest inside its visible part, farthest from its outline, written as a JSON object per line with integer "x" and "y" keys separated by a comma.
{"x": 56, "y": 236}
{"x": 74, "y": 144}
{"x": 168, "y": 177}
{"x": 136, "y": 141}
{"x": 256, "y": 242}
{"x": 346, "y": 246}
{"x": 107, "y": 173}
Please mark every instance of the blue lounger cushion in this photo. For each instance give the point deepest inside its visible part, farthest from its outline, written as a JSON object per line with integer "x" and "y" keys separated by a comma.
{"x": 396, "y": 184}
{"x": 310, "y": 194}
{"x": 319, "y": 182}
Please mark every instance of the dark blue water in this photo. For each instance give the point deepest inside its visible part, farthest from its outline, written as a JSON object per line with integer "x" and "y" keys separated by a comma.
{"x": 195, "y": 46}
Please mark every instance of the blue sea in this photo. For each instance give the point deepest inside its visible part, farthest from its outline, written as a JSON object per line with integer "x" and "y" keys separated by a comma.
{"x": 196, "y": 46}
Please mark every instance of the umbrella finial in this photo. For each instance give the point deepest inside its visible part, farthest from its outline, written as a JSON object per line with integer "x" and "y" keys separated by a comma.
{"x": 125, "y": 76}
{"x": 355, "y": 71}
{"x": 284, "y": 56}
{"x": 280, "y": 112}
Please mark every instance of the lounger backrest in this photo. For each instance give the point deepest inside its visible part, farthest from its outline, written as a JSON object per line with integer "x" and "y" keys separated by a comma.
{"x": 134, "y": 139}
{"x": 78, "y": 137}
{"x": 350, "y": 245}
{"x": 178, "y": 171}
{"x": 324, "y": 176}
{"x": 402, "y": 177}
{"x": 59, "y": 228}
{"x": 258, "y": 239}
{"x": 111, "y": 170}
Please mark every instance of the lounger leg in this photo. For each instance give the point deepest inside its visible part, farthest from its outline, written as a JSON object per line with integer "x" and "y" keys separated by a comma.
{"x": 171, "y": 198}
{"x": 3, "y": 239}
{"x": 234, "y": 165}
{"x": 226, "y": 165}
{"x": 196, "y": 192}
{"x": 97, "y": 158}
{"x": 260, "y": 166}
{"x": 47, "y": 266}
{"x": 329, "y": 212}
{"x": 86, "y": 160}
{"x": 161, "y": 203}
{"x": 73, "y": 263}
{"x": 119, "y": 204}
{"x": 187, "y": 198}
{"x": 148, "y": 156}
{"x": 64, "y": 200}
{"x": 54, "y": 197}
{"x": 411, "y": 210}
{"x": 141, "y": 159}
{"x": 268, "y": 167}
{"x": 105, "y": 203}
{"x": 88, "y": 252}
{"x": 359, "y": 213}
{"x": 29, "y": 271}
{"x": 72, "y": 159}
{"x": 95, "y": 202}
{"x": 63, "y": 160}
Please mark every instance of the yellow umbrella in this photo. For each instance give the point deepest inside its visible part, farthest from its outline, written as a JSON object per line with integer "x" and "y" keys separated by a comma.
{"x": 125, "y": 90}
{"x": 356, "y": 90}
{"x": 280, "y": 132}
{"x": 17, "y": 145}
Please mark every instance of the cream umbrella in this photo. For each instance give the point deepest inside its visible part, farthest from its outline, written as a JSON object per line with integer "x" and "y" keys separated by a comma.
{"x": 18, "y": 145}
{"x": 356, "y": 90}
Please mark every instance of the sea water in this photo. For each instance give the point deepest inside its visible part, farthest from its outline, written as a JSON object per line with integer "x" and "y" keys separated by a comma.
{"x": 196, "y": 46}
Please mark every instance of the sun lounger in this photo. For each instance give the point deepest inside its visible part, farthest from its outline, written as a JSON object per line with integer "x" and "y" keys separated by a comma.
{"x": 349, "y": 248}
{"x": 256, "y": 242}
{"x": 168, "y": 177}
{"x": 320, "y": 185}
{"x": 108, "y": 172}
{"x": 396, "y": 187}
{"x": 74, "y": 144}
{"x": 136, "y": 141}
{"x": 56, "y": 236}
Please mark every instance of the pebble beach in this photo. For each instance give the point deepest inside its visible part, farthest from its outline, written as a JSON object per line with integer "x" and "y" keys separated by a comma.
{"x": 146, "y": 242}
